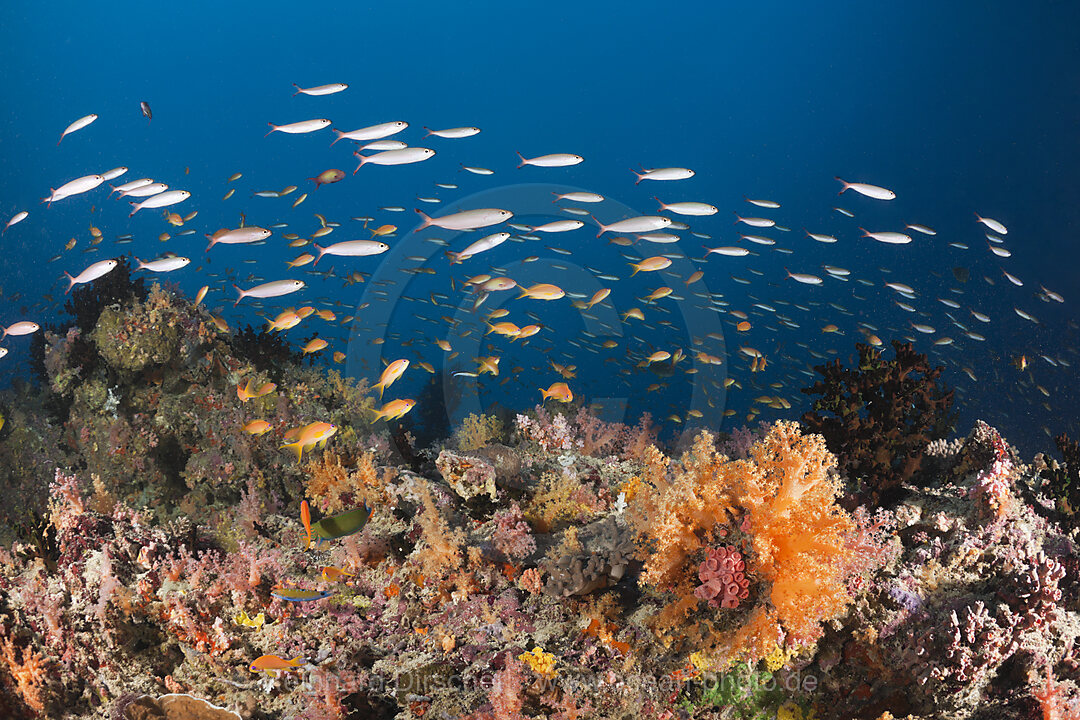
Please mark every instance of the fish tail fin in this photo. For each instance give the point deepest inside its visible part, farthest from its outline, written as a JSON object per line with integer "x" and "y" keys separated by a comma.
{"x": 362, "y": 159}
{"x": 737, "y": 218}
{"x": 213, "y": 241}
{"x": 139, "y": 263}
{"x": 273, "y": 127}
{"x": 241, "y": 293}
{"x": 844, "y": 182}
{"x": 340, "y": 135}
{"x": 430, "y": 132}
{"x": 454, "y": 257}
{"x": 599, "y": 224}
{"x": 381, "y": 388}
{"x": 865, "y": 232}
{"x": 322, "y": 251}
{"x": 640, "y": 176}
{"x": 524, "y": 293}
{"x": 134, "y": 205}
{"x": 662, "y": 206}
{"x": 520, "y": 165}
{"x": 425, "y": 216}
{"x": 71, "y": 282}
{"x": 297, "y": 89}
{"x": 636, "y": 268}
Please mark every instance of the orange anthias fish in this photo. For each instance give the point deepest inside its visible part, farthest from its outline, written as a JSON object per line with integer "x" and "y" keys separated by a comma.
{"x": 558, "y": 391}
{"x": 315, "y": 345}
{"x": 394, "y": 409}
{"x": 308, "y": 436}
{"x": 392, "y": 372}
{"x": 274, "y": 664}
{"x": 257, "y": 427}
{"x": 383, "y": 230}
{"x": 245, "y": 393}
{"x": 305, "y": 517}
{"x": 333, "y": 574}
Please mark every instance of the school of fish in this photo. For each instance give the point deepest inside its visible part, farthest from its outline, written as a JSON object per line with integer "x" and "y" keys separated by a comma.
{"x": 637, "y": 340}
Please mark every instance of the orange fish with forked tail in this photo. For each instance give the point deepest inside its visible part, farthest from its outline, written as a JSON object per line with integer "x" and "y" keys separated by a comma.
{"x": 275, "y": 664}
{"x": 559, "y": 391}
{"x": 394, "y": 410}
{"x": 308, "y": 436}
{"x": 245, "y": 392}
{"x": 392, "y": 372}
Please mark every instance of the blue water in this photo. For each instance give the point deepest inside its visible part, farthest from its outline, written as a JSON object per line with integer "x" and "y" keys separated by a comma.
{"x": 960, "y": 109}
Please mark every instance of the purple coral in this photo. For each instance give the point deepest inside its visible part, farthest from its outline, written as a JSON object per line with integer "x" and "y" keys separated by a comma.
{"x": 724, "y": 583}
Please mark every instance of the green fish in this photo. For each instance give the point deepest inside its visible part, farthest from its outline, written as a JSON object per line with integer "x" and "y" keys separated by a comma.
{"x": 339, "y": 526}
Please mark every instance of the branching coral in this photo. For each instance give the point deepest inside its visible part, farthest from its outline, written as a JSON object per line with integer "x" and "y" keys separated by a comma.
{"x": 879, "y": 417}
{"x": 782, "y": 500}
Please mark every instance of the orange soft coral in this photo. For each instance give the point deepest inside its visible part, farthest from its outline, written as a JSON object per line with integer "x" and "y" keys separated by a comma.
{"x": 782, "y": 499}
{"x": 338, "y": 485}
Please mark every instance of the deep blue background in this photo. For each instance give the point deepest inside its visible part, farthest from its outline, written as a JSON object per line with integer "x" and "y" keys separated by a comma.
{"x": 958, "y": 107}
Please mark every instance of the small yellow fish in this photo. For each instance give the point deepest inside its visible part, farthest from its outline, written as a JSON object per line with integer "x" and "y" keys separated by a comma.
{"x": 201, "y": 294}
{"x": 229, "y": 194}
{"x": 339, "y": 357}
{"x": 235, "y": 176}
{"x": 383, "y": 230}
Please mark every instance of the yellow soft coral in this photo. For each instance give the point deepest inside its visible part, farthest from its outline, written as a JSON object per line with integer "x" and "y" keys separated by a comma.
{"x": 541, "y": 663}
{"x": 783, "y": 497}
{"x": 476, "y": 431}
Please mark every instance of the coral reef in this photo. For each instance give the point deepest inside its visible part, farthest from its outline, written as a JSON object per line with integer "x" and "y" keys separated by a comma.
{"x": 168, "y": 558}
